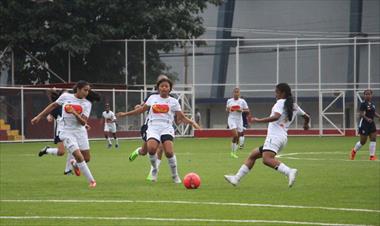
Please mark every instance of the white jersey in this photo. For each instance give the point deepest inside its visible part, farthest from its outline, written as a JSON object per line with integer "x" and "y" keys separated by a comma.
{"x": 110, "y": 116}
{"x": 162, "y": 109}
{"x": 58, "y": 124}
{"x": 281, "y": 126}
{"x": 236, "y": 107}
{"x": 82, "y": 106}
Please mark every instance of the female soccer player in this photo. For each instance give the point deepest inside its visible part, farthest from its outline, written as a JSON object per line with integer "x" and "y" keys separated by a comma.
{"x": 56, "y": 114}
{"x": 160, "y": 125}
{"x": 110, "y": 125}
{"x": 143, "y": 149}
{"x": 235, "y": 106}
{"x": 367, "y": 126}
{"x": 282, "y": 115}
{"x": 75, "y": 112}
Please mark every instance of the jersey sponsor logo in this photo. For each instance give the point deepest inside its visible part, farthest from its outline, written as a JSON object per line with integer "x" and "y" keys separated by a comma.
{"x": 235, "y": 107}
{"x": 76, "y": 108}
{"x": 160, "y": 108}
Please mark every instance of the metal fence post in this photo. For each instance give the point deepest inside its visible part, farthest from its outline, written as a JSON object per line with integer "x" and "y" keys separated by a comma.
{"x": 369, "y": 65}
{"x": 237, "y": 62}
{"x": 319, "y": 91}
{"x": 144, "y": 49}
{"x": 22, "y": 115}
{"x": 278, "y": 63}
{"x": 113, "y": 100}
{"x": 296, "y": 74}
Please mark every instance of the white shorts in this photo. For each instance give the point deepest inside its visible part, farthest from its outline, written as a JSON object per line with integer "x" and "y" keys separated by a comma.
{"x": 74, "y": 140}
{"x": 237, "y": 124}
{"x": 157, "y": 130}
{"x": 110, "y": 127}
{"x": 275, "y": 143}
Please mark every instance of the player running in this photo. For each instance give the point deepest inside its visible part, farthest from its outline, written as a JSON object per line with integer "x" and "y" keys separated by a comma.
{"x": 75, "y": 112}
{"x": 235, "y": 107}
{"x": 367, "y": 126}
{"x": 160, "y": 125}
{"x": 282, "y": 115}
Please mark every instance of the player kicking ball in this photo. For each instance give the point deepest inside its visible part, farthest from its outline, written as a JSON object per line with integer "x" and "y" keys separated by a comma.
{"x": 282, "y": 115}
{"x": 110, "y": 126}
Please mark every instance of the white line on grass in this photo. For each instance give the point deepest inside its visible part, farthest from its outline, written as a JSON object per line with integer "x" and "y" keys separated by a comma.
{"x": 174, "y": 219}
{"x": 290, "y": 156}
{"x": 190, "y": 203}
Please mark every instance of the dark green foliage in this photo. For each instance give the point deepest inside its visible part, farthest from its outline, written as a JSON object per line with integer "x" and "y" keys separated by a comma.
{"x": 51, "y": 29}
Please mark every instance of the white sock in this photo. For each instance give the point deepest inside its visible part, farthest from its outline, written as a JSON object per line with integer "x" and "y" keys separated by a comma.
{"x": 357, "y": 147}
{"x": 372, "y": 148}
{"x": 116, "y": 141}
{"x": 173, "y": 165}
{"x": 52, "y": 151}
{"x": 109, "y": 140}
{"x": 158, "y": 162}
{"x": 85, "y": 170}
{"x": 242, "y": 171}
{"x": 283, "y": 169}
{"x": 153, "y": 160}
{"x": 241, "y": 140}
{"x": 68, "y": 164}
{"x": 139, "y": 150}
{"x": 234, "y": 147}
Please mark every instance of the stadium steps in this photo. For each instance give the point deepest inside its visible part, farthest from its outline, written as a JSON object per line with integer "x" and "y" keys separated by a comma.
{"x": 6, "y": 133}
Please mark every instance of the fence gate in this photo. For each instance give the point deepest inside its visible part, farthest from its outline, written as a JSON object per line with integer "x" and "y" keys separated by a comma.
{"x": 333, "y": 113}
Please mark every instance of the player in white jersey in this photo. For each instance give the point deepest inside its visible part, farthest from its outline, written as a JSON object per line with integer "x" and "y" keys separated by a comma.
{"x": 143, "y": 149}
{"x": 282, "y": 115}
{"x": 235, "y": 107}
{"x": 163, "y": 108}
{"x": 110, "y": 126}
{"x": 75, "y": 112}
{"x": 56, "y": 116}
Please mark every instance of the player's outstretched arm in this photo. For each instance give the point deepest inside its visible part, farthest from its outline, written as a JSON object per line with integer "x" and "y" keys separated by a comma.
{"x": 182, "y": 118}
{"x": 273, "y": 118}
{"x": 377, "y": 115}
{"x": 47, "y": 110}
{"x": 306, "y": 118}
{"x": 136, "y": 111}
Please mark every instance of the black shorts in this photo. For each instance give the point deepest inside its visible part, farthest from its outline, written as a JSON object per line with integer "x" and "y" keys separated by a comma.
{"x": 367, "y": 128}
{"x": 164, "y": 138}
{"x": 57, "y": 140}
{"x": 143, "y": 130}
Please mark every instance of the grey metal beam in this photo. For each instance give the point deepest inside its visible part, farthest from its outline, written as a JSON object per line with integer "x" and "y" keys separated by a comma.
{"x": 220, "y": 66}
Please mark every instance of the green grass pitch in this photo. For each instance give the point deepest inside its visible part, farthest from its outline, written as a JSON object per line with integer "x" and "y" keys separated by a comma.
{"x": 329, "y": 189}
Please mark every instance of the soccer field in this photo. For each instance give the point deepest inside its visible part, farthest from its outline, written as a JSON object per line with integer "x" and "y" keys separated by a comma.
{"x": 330, "y": 189}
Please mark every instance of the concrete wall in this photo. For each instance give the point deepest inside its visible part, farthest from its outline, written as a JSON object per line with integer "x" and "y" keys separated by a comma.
{"x": 272, "y": 19}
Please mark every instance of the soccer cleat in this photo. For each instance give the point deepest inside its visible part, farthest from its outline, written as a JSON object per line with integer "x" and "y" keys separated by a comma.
{"x": 233, "y": 155}
{"x": 241, "y": 146}
{"x": 149, "y": 177}
{"x": 43, "y": 151}
{"x": 353, "y": 153}
{"x": 68, "y": 173}
{"x": 176, "y": 179}
{"x": 372, "y": 157}
{"x": 154, "y": 175}
{"x": 116, "y": 145}
{"x": 292, "y": 177}
{"x": 92, "y": 184}
{"x": 134, "y": 154}
{"x": 231, "y": 179}
{"x": 109, "y": 146}
{"x": 75, "y": 167}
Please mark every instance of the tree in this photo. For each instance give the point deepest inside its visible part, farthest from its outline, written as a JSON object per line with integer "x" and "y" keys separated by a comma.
{"x": 50, "y": 29}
